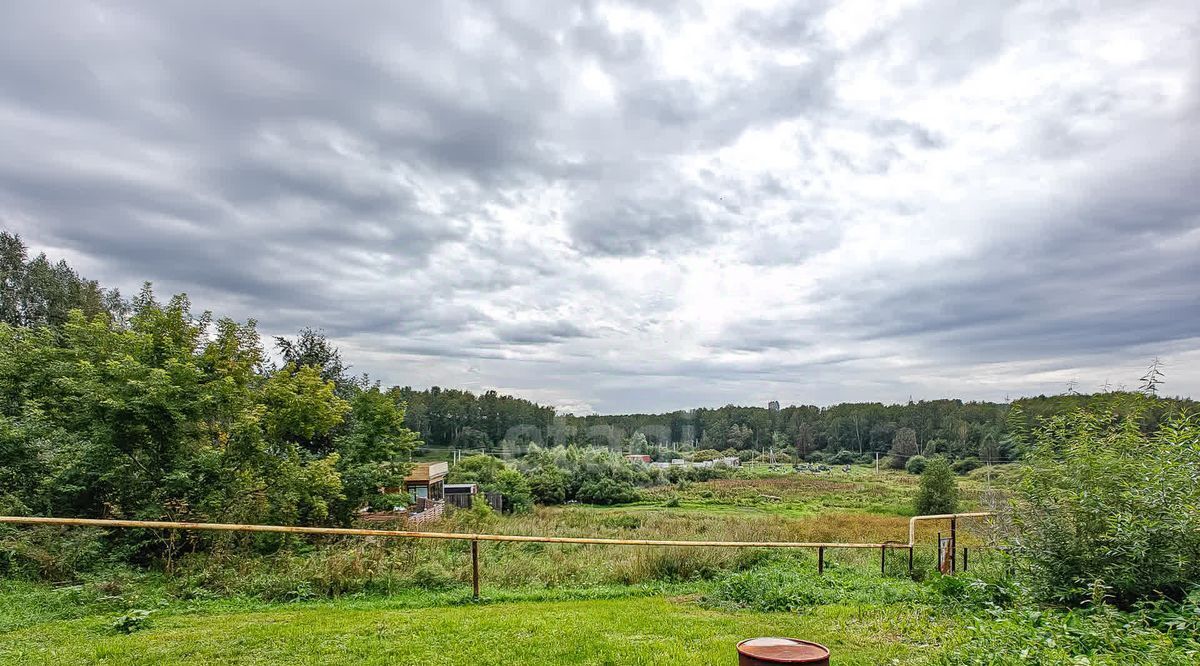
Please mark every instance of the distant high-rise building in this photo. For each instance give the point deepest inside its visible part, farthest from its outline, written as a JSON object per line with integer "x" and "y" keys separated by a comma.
{"x": 773, "y": 406}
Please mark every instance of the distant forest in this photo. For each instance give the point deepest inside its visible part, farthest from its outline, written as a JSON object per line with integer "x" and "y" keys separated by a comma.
{"x": 449, "y": 418}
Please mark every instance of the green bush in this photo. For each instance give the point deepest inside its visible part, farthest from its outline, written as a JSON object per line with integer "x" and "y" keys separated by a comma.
{"x": 1103, "y": 505}
{"x": 938, "y": 492}
{"x": 916, "y": 464}
{"x": 842, "y": 457}
{"x": 606, "y": 491}
{"x": 966, "y": 465}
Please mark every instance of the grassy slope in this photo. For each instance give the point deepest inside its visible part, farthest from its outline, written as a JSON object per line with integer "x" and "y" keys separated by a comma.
{"x": 637, "y": 630}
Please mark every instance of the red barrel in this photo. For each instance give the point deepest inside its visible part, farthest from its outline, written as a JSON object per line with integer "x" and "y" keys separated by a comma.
{"x": 767, "y": 651}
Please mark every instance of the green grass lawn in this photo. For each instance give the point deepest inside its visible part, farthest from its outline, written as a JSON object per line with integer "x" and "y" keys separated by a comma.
{"x": 633, "y": 630}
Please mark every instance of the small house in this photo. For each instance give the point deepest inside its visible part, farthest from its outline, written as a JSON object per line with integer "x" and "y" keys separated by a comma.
{"x": 427, "y": 480}
{"x": 635, "y": 458}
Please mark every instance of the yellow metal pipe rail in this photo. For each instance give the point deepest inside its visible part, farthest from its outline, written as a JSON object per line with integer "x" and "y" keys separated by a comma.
{"x": 912, "y": 522}
{"x": 403, "y": 534}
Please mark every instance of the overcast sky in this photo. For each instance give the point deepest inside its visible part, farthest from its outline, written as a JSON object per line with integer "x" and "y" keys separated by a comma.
{"x": 616, "y": 207}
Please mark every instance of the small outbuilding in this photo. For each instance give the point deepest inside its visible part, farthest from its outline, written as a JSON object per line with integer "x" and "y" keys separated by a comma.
{"x": 427, "y": 480}
{"x": 461, "y": 494}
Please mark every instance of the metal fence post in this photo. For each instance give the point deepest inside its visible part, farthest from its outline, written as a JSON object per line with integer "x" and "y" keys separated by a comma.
{"x": 910, "y": 559}
{"x": 953, "y": 544}
{"x": 820, "y": 560}
{"x": 964, "y": 558}
{"x": 883, "y": 560}
{"x": 475, "y": 567}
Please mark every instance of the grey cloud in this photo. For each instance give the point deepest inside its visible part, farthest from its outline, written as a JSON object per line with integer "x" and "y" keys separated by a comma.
{"x": 631, "y": 227}
{"x": 1118, "y": 272}
{"x": 427, "y": 184}
{"x": 527, "y": 333}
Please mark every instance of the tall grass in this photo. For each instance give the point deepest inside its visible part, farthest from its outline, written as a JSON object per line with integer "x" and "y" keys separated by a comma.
{"x": 313, "y": 567}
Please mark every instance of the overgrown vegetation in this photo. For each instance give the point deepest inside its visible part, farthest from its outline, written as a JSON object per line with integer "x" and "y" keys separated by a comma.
{"x": 1111, "y": 510}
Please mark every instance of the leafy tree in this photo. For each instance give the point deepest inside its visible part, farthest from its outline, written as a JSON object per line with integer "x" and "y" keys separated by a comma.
{"x": 36, "y": 292}
{"x": 374, "y": 450}
{"x": 904, "y": 446}
{"x": 480, "y": 468}
{"x": 965, "y": 465}
{"x": 302, "y": 407}
{"x": 470, "y": 438}
{"x": 739, "y": 436}
{"x": 805, "y": 441}
{"x": 637, "y": 443}
{"x": 938, "y": 492}
{"x": 548, "y": 485}
{"x": 163, "y": 414}
{"x": 313, "y": 349}
{"x": 512, "y": 484}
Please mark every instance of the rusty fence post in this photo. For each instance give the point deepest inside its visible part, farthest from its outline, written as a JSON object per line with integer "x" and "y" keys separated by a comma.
{"x": 820, "y": 560}
{"x": 475, "y": 567}
{"x": 953, "y": 545}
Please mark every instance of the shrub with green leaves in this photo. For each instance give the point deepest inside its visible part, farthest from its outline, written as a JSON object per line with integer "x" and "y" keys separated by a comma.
{"x": 938, "y": 492}
{"x": 605, "y": 490}
{"x": 916, "y": 464}
{"x": 1029, "y": 635}
{"x": 134, "y": 620}
{"x": 965, "y": 465}
{"x": 842, "y": 457}
{"x": 1105, "y": 505}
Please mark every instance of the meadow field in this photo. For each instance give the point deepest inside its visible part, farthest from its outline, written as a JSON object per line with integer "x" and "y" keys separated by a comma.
{"x": 236, "y": 599}
{"x": 387, "y": 601}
